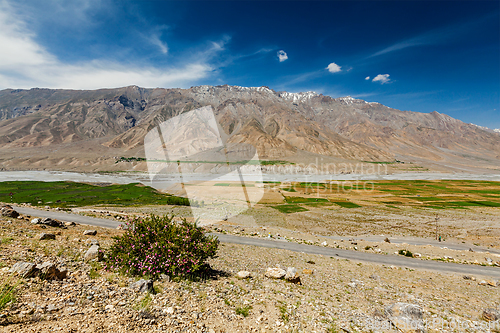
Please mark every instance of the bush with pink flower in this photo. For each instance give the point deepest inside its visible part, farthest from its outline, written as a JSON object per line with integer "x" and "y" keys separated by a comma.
{"x": 159, "y": 245}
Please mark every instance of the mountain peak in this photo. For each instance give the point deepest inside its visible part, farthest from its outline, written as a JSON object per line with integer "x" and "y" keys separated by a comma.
{"x": 298, "y": 97}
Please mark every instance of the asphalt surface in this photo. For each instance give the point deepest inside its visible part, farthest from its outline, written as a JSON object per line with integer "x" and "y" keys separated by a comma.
{"x": 419, "y": 241}
{"x": 442, "y": 267}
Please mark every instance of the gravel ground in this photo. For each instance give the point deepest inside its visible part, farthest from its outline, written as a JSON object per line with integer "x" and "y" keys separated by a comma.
{"x": 334, "y": 295}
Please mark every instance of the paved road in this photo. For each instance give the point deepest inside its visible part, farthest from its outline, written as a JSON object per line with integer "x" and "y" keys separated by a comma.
{"x": 419, "y": 241}
{"x": 413, "y": 263}
{"x": 68, "y": 217}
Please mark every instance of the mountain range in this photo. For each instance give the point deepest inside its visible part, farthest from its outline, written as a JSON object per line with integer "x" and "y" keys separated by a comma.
{"x": 89, "y": 130}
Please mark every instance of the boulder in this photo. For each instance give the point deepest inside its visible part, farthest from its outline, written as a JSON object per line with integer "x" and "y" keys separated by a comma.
{"x": 24, "y": 269}
{"x": 243, "y": 275}
{"x": 50, "y": 222}
{"x": 275, "y": 273}
{"x": 292, "y": 275}
{"x": 36, "y": 221}
{"x": 90, "y": 233}
{"x": 93, "y": 253}
{"x": 8, "y": 211}
{"x": 92, "y": 242}
{"x": 49, "y": 271}
{"x": 142, "y": 286}
{"x": 44, "y": 236}
{"x": 406, "y": 317}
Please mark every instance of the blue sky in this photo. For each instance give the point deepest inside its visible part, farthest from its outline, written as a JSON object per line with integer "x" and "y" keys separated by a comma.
{"x": 419, "y": 56}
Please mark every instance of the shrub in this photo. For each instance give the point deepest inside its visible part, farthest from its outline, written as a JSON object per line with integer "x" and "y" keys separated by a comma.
{"x": 159, "y": 245}
{"x": 405, "y": 253}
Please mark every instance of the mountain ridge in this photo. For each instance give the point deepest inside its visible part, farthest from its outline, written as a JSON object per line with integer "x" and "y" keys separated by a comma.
{"x": 280, "y": 124}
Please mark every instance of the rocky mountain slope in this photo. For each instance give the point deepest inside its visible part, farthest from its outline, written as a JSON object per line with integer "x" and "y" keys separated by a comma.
{"x": 80, "y": 129}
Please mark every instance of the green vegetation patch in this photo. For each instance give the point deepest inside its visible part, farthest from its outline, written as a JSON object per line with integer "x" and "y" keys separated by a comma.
{"x": 159, "y": 245}
{"x": 304, "y": 200}
{"x": 71, "y": 194}
{"x": 346, "y": 204}
{"x": 276, "y": 163}
{"x": 287, "y": 209}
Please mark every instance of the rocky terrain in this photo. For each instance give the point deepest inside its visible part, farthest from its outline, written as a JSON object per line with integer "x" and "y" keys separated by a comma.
{"x": 249, "y": 289}
{"x": 89, "y": 130}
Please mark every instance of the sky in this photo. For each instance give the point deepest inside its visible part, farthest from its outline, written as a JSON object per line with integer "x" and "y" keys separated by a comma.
{"x": 420, "y": 56}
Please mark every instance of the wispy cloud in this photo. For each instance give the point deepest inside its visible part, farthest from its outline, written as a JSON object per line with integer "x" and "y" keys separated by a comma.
{"x": 434, "y": 36}
{"x": 24, "y": 63}
{"x": 334, "y": 68}
{"x": 155, "y": 40}
{"x": 282, "y": 56}
{"x": 382, "y": 78}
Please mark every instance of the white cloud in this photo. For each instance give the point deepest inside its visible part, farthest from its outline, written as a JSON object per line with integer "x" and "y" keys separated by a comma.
{"x": 382, "y": 78}
{"x": 367, "y": 78}
{"x": 334, "y": 68}
{"x": 26, "y": 64}
{"x": 155, "y": 40}
{"x": 282, "y": 56}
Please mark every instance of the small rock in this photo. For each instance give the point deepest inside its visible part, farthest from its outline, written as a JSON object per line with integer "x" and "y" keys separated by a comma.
{"x": 69, "y": 224}
{"x": 491, "y": 314}
{"x": 44, "y": 235}
{"x": 470, "y": 249}
{"x": 142, "y": 286}
{"x": 292, "y": 275}
{"x": 307, "y": 271}
{"x": 90, "y": 233}
{"x": 408, "y": 317}
{"x": 36, "y": 221}
{"x": 275, "y": 273}
{"x": 487, "y": 283}
{"x": 49, "y": 271}
{"x": 355, "y": 283}
{"x": 375, "y": 277}
{"x": 169, "y": 310}
{"x": 51, "y": 222}
{"x": 24, "y": 269}
{"x": 93, "y": 253}
{"x": 469, "y": 277}
{"x": 324, "y": 243}
{"x": 92, "y": 242}
{"x": 109, "y": 307}
{"x": 243, "y": 275}
{"x": 8, "y": 211}
{"x": 417, "y": 255}
{"x": 51, "y": 308}
{"x": 387, "y": 240}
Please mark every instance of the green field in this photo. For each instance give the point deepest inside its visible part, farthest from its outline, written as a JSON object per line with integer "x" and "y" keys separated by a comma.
{"x": 427, "y": 194}
{"x": 287, "y": 209}
{"x": 346, "y": 204}
{"x": 70, "y": 194}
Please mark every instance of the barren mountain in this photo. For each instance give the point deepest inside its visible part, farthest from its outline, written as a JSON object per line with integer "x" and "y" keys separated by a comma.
{"x": 88, "y": 130}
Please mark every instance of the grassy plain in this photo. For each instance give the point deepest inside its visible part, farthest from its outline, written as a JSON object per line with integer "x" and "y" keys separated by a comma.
{"x": 70, "y": 194}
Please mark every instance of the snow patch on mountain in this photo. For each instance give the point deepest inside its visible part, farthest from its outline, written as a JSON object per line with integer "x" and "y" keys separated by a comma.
{"x": 298, "y": 97}
{"x": 496, "y": 130}
{"x": 483, "y": 127}
{"x": 347, "y": 100}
